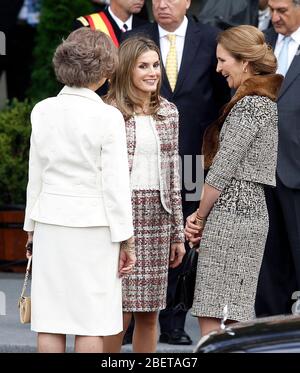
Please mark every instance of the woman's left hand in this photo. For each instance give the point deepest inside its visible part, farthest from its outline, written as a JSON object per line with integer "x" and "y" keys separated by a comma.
{"x": 192, "y": 231}
{"x": 176, "y": 254}
{"x": 29, "y": 241}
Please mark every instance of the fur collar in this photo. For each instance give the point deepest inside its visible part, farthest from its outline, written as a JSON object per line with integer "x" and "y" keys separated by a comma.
{"x": 258, "y": 85}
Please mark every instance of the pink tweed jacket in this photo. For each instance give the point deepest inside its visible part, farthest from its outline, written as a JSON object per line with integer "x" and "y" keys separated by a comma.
{"x": 166, "y": 131}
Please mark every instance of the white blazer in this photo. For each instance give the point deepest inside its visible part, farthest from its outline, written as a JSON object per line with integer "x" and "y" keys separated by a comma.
{"x": 78, "y": 165}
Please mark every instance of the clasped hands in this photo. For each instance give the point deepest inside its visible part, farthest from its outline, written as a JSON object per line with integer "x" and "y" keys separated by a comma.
{"x": 194, "y": 228}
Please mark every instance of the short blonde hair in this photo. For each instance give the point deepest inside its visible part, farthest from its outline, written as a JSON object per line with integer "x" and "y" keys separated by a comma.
{"x": 84, "y": 58}
{"x": 248, "y": 43}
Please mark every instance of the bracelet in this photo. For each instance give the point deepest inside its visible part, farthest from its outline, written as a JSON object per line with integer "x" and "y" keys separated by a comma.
{"x": 128, "y": 247}
{"x": 200, "y": 221}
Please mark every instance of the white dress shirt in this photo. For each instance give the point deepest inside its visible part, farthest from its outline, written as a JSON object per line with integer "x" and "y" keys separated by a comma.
{"x": 264, "y": 18}
{"x": 293, "y": 45}
{"x": 165, "y": 43}
{"x": 119, "y": 22}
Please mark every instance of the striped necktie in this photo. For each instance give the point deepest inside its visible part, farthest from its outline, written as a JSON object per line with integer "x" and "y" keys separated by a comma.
{"x": 124, "y": 28}
{"x": 171, "y": 62}
{"x": 283, "y": 56}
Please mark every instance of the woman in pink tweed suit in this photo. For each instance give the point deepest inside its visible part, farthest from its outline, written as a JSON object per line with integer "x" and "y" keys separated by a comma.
{"x": 152, "y": 142}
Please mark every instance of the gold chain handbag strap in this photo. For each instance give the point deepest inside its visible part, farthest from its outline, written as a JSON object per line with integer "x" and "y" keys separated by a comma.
{"x": 27, "y": 277}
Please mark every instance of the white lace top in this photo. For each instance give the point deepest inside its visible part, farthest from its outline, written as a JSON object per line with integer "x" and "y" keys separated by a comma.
{"x": 144, "y": 173}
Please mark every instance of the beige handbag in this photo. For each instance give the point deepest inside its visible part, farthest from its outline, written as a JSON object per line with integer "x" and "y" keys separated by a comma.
{"x": 24, "y": 303}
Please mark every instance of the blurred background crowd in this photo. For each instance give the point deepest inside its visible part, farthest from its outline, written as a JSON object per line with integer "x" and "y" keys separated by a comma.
{"x": 34, "y": 27}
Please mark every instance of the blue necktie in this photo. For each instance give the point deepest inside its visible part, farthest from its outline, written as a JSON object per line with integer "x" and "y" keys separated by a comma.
{"x": 283, "y": 56}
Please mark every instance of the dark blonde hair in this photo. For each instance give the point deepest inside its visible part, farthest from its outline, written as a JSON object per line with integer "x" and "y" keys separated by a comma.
{"x": 122, "y": 92}
{"x": 84, "y": 58}
{"x": 244, "y": 43}
{"x": 247, "y": 43}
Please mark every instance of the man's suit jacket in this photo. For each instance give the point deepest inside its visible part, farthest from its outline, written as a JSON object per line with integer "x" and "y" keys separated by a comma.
{"x": 136, "y": 22}
{"x": 288, "y": 165}
{"x": 78, "y": 165}
{"x": 200, "y": 92}
{"x": 9, "y": 10}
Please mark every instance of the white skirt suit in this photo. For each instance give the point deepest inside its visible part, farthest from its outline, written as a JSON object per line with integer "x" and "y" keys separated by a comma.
{"x": 79, "y": 207}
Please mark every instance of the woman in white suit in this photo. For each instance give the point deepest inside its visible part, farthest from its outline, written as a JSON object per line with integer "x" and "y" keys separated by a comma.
{"x": 78, "y": 202}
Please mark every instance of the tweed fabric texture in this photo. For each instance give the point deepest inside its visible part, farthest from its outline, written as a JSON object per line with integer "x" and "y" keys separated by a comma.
{"x": 145, "y": 289}
{"x": 248, "y": 144}
{"x": 157, "y": 216}
{"x": 235, "y": 234}
{"x": 166, "y": 129}
{"x": 231, "y": 253}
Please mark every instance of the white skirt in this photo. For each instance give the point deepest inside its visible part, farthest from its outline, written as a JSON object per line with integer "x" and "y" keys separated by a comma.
{"x": 75, "y": 285}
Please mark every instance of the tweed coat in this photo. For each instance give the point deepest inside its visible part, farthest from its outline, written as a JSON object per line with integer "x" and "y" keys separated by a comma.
{"x": 234, "y": 237}
{"x": 165, "y": 124}
{"x": 247, "y": 151}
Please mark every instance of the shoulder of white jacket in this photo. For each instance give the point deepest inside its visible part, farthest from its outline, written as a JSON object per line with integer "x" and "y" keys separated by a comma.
{"x": 103, "y": 111}
{"x": 112, "y": 110}
{"x": 112, "y": 115}
{"x": 44, "y": 103}
{"x": 42, "y": 107}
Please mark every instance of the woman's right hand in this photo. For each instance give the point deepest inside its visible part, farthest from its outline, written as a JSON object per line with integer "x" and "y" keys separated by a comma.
{"x": 127, "y": 257}
{"x": 192, "y": 231}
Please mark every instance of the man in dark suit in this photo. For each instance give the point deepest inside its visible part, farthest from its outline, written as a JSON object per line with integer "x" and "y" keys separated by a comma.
{"x": 9, "y": 10}
{"x": 264, "y": 15}
{"x": 228, "y": 13}
{"x": 19, "y": 42}
{"x": 119, "y": 17}
{"x": 122, "y": 15}
{"x": 280, "y": 272}
{"x": 199, "y": 93}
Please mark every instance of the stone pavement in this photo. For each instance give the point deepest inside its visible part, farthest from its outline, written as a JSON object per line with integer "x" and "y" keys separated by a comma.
{"x": 15, "y": 337}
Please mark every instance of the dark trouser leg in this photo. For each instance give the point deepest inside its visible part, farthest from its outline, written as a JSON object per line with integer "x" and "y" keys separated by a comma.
{"x": 277, "y": 280}
{"x": 129, "y": 333}
{"x": 170, "y": 319}
{"x": 20, "y": 43}
{"x": 290, "y": 202}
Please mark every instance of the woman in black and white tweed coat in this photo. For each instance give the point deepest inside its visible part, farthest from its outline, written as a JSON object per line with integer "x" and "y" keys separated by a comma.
{"x": 231, "y": 223}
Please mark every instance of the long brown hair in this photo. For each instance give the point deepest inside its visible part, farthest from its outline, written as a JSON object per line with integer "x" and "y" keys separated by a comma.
{"x": 244, "y": 43}
{"x": 122, "y": 92}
